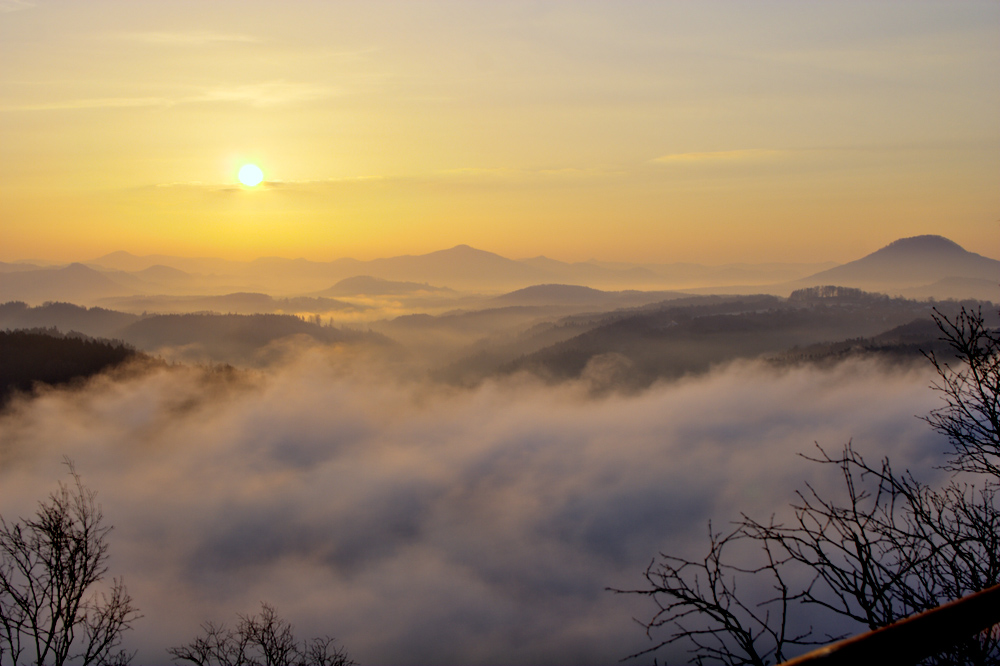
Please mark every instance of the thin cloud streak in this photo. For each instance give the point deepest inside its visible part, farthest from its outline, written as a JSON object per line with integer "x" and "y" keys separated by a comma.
{"x": 191, "y": 38}
{"x": 750, "y": 155}
{"x": 498, "y": 175}
{"x": 8, "y": 6}
{"x": 265, "y": 94}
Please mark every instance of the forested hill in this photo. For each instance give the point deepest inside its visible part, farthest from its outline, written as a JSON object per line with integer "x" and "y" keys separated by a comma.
{"x": 46, "y": 356}
{"x": 684, "y": 337}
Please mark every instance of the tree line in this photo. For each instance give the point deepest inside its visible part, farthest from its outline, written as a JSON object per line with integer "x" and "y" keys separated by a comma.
{"x": 48, "y": 356}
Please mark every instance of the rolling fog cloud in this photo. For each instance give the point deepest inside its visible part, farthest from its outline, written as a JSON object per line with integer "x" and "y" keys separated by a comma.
{"x": 420, "y": 524}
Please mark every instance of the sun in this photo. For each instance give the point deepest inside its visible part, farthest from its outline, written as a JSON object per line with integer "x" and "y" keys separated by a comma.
{"x": 250, "y": 175}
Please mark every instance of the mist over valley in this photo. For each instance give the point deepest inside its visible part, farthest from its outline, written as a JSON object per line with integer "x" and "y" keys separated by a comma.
{"x": 436, "y": 474}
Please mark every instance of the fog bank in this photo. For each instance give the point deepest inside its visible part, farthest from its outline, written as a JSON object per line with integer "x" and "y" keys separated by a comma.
{"x": 421, "y": 524}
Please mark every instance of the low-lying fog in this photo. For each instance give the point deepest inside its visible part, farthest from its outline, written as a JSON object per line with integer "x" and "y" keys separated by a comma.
{"x": 428, "y": 525}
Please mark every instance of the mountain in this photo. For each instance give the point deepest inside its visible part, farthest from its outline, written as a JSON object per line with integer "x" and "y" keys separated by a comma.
{"x": 689, "y": 336}
{"x": 17, "y": 267}
{"x": 956, "y": 288}
{"x": 573, "y": 295}
{"x": 165, "y": 275}
{"x": 125, "y": 261}
{"x": 366, "y": 285}
{"x": 592, "y": 273}
{"x": 95, "y": 322}
{"x": 235, "y": 303}
{"x": 908, "y": 263}
{"x": 76, "y": 283}
{"x": 461, "y": 266}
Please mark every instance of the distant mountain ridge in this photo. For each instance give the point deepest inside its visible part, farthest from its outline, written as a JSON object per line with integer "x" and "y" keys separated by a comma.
{"x": 75, "y": 282}
{"x": 366, "y": 285}
{"x": 459, "y": 267}
{"x": 919, "y": 267}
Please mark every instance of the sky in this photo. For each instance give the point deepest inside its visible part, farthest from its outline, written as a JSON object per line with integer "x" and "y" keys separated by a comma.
{"x": 624, "y": 131}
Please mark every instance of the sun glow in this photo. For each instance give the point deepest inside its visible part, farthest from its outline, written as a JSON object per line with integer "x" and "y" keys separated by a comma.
{"x": 250, "y": 175}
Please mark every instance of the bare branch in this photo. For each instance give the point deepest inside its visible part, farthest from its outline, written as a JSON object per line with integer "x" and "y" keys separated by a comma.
{"x": 886, "y": 548}
{"x": 47, "y": 566}
{"x": 259, "y": 640}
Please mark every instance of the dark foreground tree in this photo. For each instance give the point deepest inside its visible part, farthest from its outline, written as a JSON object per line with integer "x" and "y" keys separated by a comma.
{"x": 971, "y": 389}
{"x": 50, "y": 612}
{"x": 888, "y": 548}
{"x": 259, "y": 640}
{"x": 46, "y": 356}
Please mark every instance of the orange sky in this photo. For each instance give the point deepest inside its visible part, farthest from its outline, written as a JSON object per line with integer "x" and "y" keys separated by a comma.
{"x": 632, "y": 131}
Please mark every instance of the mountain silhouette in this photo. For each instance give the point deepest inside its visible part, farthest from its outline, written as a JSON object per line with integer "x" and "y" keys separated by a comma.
{"x": 920, "y": 267}
{"x": 165, "y": 274}
{"x": 76, "y": 283}
{"x": 910, "y": 262}
{"x": 591, "y": 273}
{"x": 575, "y": 295}
{"x": 95, "y": 322}
{"x": 367, "y": 285}
{"x": 461, "y": 265}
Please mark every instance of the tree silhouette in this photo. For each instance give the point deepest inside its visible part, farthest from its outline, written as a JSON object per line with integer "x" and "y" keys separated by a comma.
{"x": 971, "y": 417}
{"x": 890, "y": 547}
{"x": 49, "y": 566}
{"x": 259, "y": 640}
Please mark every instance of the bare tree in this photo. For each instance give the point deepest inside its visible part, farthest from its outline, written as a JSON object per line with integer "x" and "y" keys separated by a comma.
{"x": 50, "y": 612}
{"x": 688, "y": 591}
{"x": 893, "y": 548}
{"x": 259, "y": 640}
{"x": 971, "y": 416}
{"x": 890, "y": 547}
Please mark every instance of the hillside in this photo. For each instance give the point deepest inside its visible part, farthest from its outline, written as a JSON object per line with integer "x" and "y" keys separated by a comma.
{"x": 95, "y": 322}
{"x": 579, "y": 296}
{"x": 676, "y": 339}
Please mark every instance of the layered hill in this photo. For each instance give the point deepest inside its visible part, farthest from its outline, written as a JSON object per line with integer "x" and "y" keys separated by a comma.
{"x": 76, "y": 283}
{"x": 367, "y": 285}
{"x": 917, "y": 267}
{"x": 691, "y": 335}
{"x": 576, "y": 296}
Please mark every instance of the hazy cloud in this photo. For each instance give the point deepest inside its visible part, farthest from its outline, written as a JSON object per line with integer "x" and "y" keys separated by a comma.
{"x": 720, "y": 156}
{"x": 499, "y": 176}
{"x": 423, "y": 524}
{"x": 90, "y": 103}
{"x": 269, "y": 93}
{"x": 189, "y": 38}
{"x": 512, "y": 174}
{"x": 7, "y": 6}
